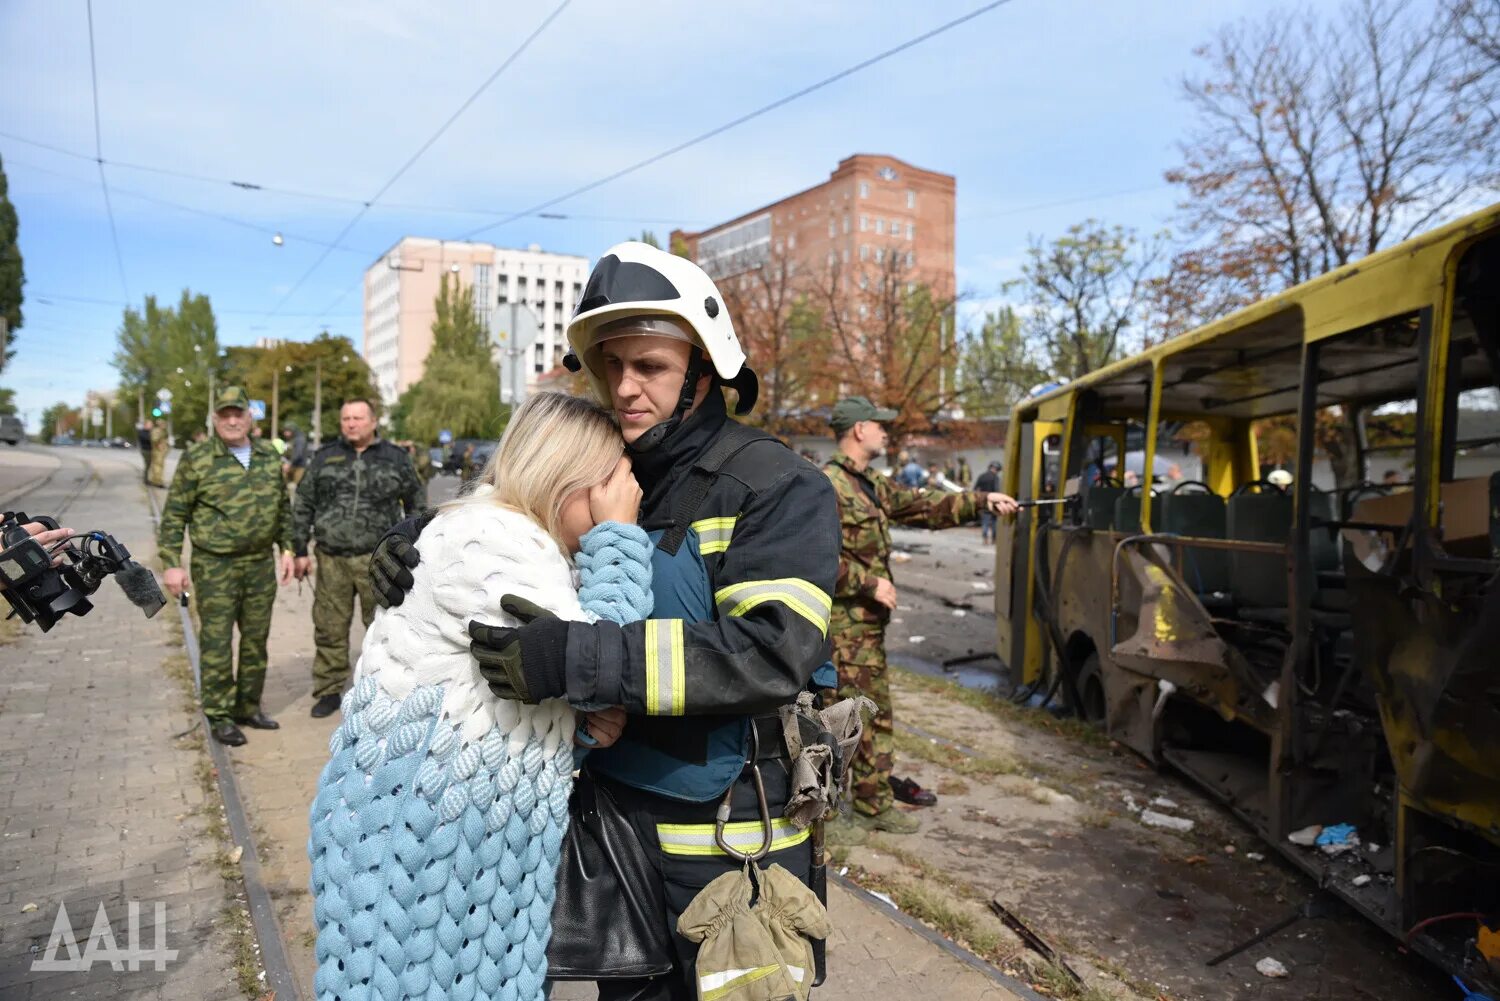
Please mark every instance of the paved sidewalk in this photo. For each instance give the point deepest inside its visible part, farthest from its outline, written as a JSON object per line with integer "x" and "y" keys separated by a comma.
{"x": 98, "y": 802}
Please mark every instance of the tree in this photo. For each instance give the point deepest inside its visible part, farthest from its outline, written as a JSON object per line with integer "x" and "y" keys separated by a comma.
{"x": 887, "y": 337}
{"x": 996, "y": 365}
{"x": 1317, "y": 143}
{"x": 1085, "y": 297}
{"x": 12, "y": 273}
{"x": 60, "y": 419}
{"x": 7, "y": 402}
{"x": 460, "y": 387}
{"x": 287, "y": 378}
{"x": 174, "y": 348}
{"x": 779, "y": 329}
{"x": 649, "y": 239}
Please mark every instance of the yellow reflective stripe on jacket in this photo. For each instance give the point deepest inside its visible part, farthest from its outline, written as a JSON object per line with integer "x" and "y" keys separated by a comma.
{"x": 665, "y": 668}
{"x": 746, "y": 837}
{"x": 806, "y": 599}
{"x": 714, "y": 533}
{"x": 712, "y": 986}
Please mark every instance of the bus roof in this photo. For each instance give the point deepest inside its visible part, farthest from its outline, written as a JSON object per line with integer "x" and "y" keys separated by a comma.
{"x": 1248, "y": 364}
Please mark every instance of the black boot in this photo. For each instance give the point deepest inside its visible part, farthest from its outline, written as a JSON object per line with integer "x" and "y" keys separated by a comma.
{"x": 259, "y": 721}
{"x": 325, "y": 706}
{"x": 225, "y": 732}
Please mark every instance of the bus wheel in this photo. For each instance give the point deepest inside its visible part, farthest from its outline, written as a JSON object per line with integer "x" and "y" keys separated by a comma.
{"x": 1092, "y": 705}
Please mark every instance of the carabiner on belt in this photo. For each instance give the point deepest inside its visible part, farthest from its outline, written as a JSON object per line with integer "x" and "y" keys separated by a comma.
{"x": 722, "y": 816}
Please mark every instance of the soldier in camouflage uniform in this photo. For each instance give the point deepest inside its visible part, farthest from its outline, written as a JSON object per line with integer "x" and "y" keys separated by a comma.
{"x": 156, "y": 472}
{"x": 354, "y": 491}
{"x": 229, "y": 495}
{"x": 864, "y": 597}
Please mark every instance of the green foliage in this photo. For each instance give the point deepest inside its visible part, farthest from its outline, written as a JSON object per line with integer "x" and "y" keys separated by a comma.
{"x": 649, "y": 239}
{"x": 7, "y": 402}
{"x": 59, "y": 419}
{"x": 996, "y": 365}
{"x": 287, "y": 377}
{"x": 1086, "y": 297}
{"x": 174, "y": 348}
{"x": 460, "y": 387}
{"x": 12, "y": 273}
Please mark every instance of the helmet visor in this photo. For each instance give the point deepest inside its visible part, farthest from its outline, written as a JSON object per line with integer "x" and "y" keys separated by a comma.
{"x": 643, "y": 326}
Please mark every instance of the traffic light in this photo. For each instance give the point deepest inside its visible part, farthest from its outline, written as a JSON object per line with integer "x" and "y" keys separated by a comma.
{"x": 156, "y": 411}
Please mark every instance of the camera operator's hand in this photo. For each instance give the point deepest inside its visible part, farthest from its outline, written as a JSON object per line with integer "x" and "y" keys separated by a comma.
{"x": 176, "y": 581}
{"x": 48, "y": 536}
{"x": 302, "y": 568}
{"x": 288, "y": 566}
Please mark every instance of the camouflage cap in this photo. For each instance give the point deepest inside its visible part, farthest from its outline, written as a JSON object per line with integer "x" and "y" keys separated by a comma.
{"x": 851, "y": 410}
{"x": 231, "y": 396}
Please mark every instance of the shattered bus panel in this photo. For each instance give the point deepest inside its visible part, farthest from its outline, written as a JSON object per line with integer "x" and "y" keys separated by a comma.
{"x": 1317, "y": 652}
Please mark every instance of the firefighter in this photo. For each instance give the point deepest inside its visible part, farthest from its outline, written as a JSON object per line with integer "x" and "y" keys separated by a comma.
{"x": 746, "y": 537}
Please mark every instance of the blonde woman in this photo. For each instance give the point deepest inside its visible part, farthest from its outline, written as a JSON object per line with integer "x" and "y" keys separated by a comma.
{"x": 438, "y": 822}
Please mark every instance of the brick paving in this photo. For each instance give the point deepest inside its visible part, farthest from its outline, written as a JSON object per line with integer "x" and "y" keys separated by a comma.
{"x": 97, "y": 800}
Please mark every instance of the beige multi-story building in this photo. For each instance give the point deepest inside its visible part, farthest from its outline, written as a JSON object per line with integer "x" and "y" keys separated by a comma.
{"x": 402, "y": 286}
{"x": 872, "y": 206}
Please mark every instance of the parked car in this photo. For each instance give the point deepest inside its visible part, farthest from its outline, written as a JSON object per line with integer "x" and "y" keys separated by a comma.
{"x": 12, "y": 431}
{"x": 64, "y": 439}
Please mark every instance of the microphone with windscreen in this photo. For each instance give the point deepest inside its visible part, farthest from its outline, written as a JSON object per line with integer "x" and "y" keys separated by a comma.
{"x": 43, "y": 584}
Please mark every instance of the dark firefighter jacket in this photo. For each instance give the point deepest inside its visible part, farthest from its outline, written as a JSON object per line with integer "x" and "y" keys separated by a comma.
{"x": 767, "y": 535}
{"x": 349, "y": 499}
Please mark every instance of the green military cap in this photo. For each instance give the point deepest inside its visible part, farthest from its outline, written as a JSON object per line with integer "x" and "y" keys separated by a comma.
{"x": 231, "y": 396}
{"x": 851, "y": 410}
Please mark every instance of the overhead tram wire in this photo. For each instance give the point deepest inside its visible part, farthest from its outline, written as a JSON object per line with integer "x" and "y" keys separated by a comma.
{"x": 741, "y": 120}
{"x": 322, "y": 196}
{"x": 360, "y": 214}
{"x": 109, "y": 208}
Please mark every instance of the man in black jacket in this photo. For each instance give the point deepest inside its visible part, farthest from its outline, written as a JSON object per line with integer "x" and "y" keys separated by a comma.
{"x": 747, "y": 550}
{"x": 988, "y": 483}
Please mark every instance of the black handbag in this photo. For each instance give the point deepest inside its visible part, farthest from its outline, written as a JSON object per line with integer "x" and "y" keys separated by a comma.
{"x": 609, "y": 921}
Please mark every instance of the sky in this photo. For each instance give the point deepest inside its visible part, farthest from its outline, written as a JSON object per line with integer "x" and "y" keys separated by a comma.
{"x": 1046, "y": 111}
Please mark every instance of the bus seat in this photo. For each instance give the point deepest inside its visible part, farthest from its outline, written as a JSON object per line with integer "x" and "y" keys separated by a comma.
{"x": 1199, "y": 515}
{"x": 1327, "y": 560}
{"x": 1260, "y": 579}
{"x": 1099, "y": 508}
{"x": 1128, "y": 511}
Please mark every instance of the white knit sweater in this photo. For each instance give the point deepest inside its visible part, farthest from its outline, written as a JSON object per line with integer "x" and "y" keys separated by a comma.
{"x": 470, "y": 557}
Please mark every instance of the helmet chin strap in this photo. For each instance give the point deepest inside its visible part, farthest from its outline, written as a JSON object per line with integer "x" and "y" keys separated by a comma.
{"x": 658, "y": 433}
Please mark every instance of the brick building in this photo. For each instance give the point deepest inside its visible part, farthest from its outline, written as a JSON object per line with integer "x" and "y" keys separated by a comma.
{"x": 871, "y": 206}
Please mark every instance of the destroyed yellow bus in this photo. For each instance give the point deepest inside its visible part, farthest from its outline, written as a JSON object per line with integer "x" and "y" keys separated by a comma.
{"x": 1317, "y": 645}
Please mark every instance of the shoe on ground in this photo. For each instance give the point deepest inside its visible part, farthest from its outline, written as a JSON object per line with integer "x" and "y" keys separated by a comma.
{"x": 225, "y": 732}
{"x": 889, "y": 820}
{"x": 908, "y": 791}
{"x": 325, "y": 706}
{"x": 843, "y": 832}
{"x": 260, "y": 721}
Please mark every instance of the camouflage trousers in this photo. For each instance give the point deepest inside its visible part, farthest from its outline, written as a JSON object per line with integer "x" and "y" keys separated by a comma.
{"x": 233, "y": 591}
{"x": 156, "y": 469}
{"x": 338, "y": 581}
{"x": 859, "y": 655}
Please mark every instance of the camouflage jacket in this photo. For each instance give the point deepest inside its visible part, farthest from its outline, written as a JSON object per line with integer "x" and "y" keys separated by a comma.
{"x": 158, "y": 437}
{"x": 349, "y": 499}
{"x": 868, "y": 503}
{"x": 230, "y": 510}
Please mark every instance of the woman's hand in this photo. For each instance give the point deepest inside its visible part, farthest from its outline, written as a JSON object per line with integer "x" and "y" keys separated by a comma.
{"x": 603, "y": 727}
{"x": 617, "y": 498}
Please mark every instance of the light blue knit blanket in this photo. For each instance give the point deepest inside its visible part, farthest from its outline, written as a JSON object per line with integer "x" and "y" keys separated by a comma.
{"x": 434, "y": 867}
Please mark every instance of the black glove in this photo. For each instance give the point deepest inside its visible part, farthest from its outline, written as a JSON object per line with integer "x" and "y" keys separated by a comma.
{"x": 523, "y": 663}
{"x": 394, "y": 557}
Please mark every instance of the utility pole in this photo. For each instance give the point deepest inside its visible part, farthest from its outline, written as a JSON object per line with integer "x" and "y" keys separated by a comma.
{"x": 275, "y": 400}
{"x": 318, "y": 407}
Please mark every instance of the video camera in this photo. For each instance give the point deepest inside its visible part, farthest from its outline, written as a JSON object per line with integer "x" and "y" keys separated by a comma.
{"x": 42, "y": 593}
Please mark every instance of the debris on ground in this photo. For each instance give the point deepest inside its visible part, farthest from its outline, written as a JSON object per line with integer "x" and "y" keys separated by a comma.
{"x": 884, "y": 899}
{"x": 28, "y": 908}
{"x": 1255, "y": 856}
{"x": 1153, "y": 819}
{"x": 1337, "y": 839}
{"x": 915, "y": 640}
{"x": 1165, "y": 804}
{"x": 1307, "y": 837}
{"x": 1230, "y": 849}
{"x": 1269, "y": 967}
{"x": 1362, "y": 880}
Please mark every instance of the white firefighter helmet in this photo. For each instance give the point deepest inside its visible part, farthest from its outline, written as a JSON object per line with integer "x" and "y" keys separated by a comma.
{"x": 637, "y": 280}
